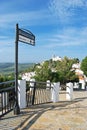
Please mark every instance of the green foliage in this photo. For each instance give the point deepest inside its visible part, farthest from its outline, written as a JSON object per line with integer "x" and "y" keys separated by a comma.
{"x": 54, "y": 77}
{"x": 7, "y": 72}
{"x": 49, "y": 70}
{"x": 8, "y": 68}
{"x": 84, "y": 65}
{"x": 4, "y": 78}
{"x": 56, "y": 71}
{"x": 43, "y": 73}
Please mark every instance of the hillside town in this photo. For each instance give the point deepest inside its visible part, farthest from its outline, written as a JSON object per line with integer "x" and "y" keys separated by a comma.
{"x": 75, "y": 67}
{"x": 27, "y": 76}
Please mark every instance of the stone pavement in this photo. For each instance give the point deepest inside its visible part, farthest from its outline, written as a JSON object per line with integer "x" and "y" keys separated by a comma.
{"x": 64, "y": 115}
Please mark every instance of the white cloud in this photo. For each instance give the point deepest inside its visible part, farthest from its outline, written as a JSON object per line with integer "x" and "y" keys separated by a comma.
{"x": 64, "y": 9}
{"x": 68, "y": 37}
{"x": 29, "y": 18}
{"x": 6, "y": 40}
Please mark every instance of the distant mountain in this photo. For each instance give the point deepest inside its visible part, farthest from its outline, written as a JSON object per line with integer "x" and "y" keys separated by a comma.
{"x": 6, "y": 68}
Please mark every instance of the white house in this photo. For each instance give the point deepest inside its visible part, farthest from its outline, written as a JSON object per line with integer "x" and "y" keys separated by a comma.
{"x": 28, "y": 76}
{"x": 80, "y": 74}
{"x": 56, "y": 58}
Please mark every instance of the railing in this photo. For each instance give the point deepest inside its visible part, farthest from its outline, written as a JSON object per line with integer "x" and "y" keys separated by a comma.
{"x": 31, "y": 93}
{"x": 39, "y": 93}
{"x": 7, "y": 97}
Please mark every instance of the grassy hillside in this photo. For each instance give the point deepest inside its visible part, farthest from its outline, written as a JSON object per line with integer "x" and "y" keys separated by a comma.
{"x": 6, "y": 68}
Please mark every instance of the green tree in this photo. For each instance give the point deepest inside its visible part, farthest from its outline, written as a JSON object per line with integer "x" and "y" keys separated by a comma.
{"x": 64, "y": 67}
{"x": 84, "y": 65}
{"x": 56, "y": 70}
{"x": 54, "y": 76}
{"x": 43, "y": 72}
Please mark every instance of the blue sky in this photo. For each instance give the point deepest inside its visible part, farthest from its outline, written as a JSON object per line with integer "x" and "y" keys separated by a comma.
{"x": 60, "y": 27}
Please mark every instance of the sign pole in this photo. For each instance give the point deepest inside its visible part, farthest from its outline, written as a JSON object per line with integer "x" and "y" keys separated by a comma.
{"x": 16, "y": 107}
{"x": 26, "y": 37}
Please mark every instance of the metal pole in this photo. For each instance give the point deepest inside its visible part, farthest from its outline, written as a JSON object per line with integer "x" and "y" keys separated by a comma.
{"x": 33, "y": 98}
{"x": 16, "y": 107}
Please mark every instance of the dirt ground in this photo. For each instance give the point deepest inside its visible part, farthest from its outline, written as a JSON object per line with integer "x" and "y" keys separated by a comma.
{"x": 63, "y": 115}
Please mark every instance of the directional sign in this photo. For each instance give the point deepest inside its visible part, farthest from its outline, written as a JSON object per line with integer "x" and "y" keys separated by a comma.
{"x": 26, "y": 37}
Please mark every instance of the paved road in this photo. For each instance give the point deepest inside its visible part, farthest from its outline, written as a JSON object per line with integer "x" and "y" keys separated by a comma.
{"x": 64, "y": 115}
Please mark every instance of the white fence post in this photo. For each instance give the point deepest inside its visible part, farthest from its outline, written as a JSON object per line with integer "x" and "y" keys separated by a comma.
{"x": 32, "y": 82}
{"x": 22, "y": 93}
{"x": 69, "y": 91}
{"x": 76, "y": 85}
{"x": 83, "y": 85}
{"x": 48, "y": 84}
{"x": 5, "y": 98}
{"x": 55, "y": 92}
